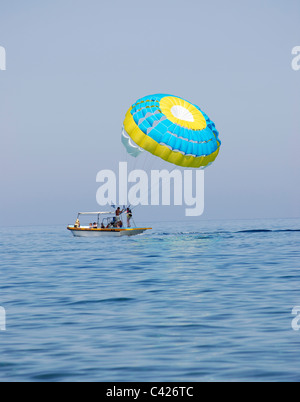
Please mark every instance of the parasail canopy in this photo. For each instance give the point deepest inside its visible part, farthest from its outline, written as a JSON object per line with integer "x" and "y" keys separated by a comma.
{"x": 171, "y": 128}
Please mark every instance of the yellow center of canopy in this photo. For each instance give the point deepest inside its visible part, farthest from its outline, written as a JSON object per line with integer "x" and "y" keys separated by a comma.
{"x": 183, "y": 113}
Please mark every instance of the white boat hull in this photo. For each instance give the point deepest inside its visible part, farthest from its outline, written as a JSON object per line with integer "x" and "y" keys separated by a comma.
{"x": 85, "y": 232}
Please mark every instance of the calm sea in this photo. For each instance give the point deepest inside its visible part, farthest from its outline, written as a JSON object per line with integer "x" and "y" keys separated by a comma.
{"x": 205, "y": 302}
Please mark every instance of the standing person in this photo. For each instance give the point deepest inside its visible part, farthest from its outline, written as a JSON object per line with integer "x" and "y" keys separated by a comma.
{"x": 117, "y": 218}
{"x": 118, "y": 213}
{"x": 129, "y": 216}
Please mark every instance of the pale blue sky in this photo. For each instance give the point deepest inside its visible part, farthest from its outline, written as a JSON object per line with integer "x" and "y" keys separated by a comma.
{"x": 75, "y": 67}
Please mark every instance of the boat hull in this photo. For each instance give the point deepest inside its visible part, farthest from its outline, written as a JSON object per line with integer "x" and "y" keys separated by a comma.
{"x": 84, "y": 232}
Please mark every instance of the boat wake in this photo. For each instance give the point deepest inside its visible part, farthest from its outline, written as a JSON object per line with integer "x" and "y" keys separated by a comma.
{"x": 206, "y": 234}
{"x": 267, "y": 230}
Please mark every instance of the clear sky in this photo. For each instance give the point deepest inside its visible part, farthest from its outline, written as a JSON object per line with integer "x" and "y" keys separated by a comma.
{"x": 73, "y": 69}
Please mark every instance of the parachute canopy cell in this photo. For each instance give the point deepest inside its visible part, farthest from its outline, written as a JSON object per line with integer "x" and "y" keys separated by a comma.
{"x": 171, "y": 128}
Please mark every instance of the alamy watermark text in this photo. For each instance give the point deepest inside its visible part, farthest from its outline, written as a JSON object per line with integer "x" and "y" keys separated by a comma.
{"x": 296, "y": 59}
{"x": 2, "y": 58}
{"x": 153, "y": 189}
{"x": 2, "y": 319}
{"x": 296, "y": 320}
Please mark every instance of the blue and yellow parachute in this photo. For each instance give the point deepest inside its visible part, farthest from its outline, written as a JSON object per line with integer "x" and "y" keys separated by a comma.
{"x": 171, "y": 128}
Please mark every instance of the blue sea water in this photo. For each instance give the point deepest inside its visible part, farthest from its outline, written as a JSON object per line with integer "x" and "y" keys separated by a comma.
{"x": 209, "y": 301}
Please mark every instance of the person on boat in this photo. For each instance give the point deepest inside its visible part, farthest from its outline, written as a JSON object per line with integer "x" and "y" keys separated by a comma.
{"x": 77, "y": 224}
{"x": 102, "y": 226}
{"x": 119, "y": 212}
{"x": 95, "y": 226}
{"x": 91, "y": 225}
{"x": 129, "y": 216}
